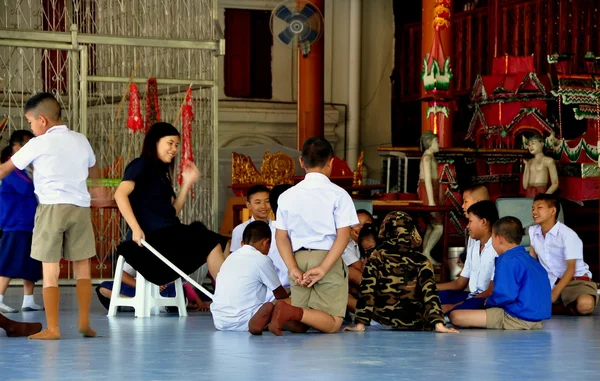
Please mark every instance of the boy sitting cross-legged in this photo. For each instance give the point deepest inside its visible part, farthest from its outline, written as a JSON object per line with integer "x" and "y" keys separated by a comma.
{"x": 245, "y": 278}
{"x": 521, "y": 296}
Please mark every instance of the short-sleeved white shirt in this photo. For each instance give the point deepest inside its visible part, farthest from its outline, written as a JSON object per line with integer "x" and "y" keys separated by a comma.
{"x": 242, "y": 285}
{"x": 280, "y": 267}
{"x": 351, "y": 254}
{"x": 479, "y": 268}
{"x": 313, "y": 210}
{"x": 560, "y": 245}
{"x": 61, "y": 160}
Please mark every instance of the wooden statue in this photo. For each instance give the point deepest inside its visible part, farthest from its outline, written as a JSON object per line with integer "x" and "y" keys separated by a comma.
{"x": 539, "y": 170}
{"x": 429, "y": 191}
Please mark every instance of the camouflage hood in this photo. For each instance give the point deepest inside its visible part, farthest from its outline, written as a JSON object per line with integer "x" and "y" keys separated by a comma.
{"x": 398, "y": 233}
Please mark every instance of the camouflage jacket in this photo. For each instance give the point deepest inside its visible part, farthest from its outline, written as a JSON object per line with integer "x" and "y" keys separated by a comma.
{"x": 399, "y": 291}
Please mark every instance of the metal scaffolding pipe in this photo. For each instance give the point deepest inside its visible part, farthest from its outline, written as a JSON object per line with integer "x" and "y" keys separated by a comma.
{"x": 162, "y": 81}
{"x": 85, "y": 38}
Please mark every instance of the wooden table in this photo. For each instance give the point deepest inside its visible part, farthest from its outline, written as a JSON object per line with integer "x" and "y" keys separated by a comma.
{"x": 404, "y": 206}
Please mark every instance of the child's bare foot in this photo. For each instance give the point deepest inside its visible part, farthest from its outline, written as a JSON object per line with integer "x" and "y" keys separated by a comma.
{"x": 282, "y": 313}
{"x": 261, "y": 319}
{"x": 47, "y": 334}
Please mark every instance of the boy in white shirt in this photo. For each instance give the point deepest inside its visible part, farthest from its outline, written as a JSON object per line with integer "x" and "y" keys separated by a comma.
{"x": 244, "y": 280}
{"x": 560, "y": 252}
{"x": 259, "y": 203}
{"x": 313, "y": 229}
{"x": 62, "y": 161}
{"x": 351, "y": 258}
{"x": 478, "y": 272}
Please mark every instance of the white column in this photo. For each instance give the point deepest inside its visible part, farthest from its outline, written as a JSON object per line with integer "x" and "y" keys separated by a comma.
{"x": 353, "y": 138}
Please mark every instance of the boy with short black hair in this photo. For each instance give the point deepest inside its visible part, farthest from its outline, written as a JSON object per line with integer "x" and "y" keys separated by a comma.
{"x": 560, "y": 252}
{"x": 313, "y": 229}
{"x": 258, "y": 201}
{"x": 521, "y": 296}
{"x": 62, "y": 161}
{"x": 245, "y": 279}
{"x": 478, "y": 271}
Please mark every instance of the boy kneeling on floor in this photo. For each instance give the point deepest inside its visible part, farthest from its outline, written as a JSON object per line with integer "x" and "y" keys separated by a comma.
{"x": 521, "y": 298}
{"x": 245, "y": 278}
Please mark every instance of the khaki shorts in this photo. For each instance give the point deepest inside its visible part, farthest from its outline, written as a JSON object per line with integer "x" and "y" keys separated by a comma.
{"x": 330, "y": 294}
{"x": 62, "y": 230}
{"x": 577, "y": 288}
{"x": 496, "y": 318}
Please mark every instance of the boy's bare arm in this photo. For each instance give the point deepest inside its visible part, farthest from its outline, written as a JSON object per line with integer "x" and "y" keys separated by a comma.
{"x": 564, "y": 280}
{"x": 341, "y": 241}
{"x": 128, "y": 279}
{"x": 284, "y": 245}
{"x": 6, "y": 168}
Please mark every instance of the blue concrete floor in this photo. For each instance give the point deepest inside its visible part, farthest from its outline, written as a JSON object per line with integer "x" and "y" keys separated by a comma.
{"x": 167, "y": 347}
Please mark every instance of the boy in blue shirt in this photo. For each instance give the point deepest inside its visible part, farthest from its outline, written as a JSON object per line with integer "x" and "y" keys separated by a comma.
{"x": 522, "y": 297}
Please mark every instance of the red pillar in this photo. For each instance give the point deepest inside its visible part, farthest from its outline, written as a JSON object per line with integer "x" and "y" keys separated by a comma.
{"x": 311, "y": 87}
{"x": 437, "y": 43}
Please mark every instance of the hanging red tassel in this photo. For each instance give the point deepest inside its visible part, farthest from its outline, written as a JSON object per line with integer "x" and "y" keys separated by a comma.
{"x": 187, "y": 116}
{"x": 152, "y": 105}
{"x": 134, "y": 119}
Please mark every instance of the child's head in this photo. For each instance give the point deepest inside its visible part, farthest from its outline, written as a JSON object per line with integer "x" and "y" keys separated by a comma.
{"x": 275, "y": 193}
{"x": 42, "y": 111}
{"x": 17, "y": 140}
{"x": 507, "y": 233}
{"x": 474, "y": 194}
{"x": 367, "y": 239}
{"x": 257, "y": 200}
{"x": 161, "y": 143}
{"x": 317, "y": 156}
{"x": 545, "y": 209}
{"x": 364, "y": 217}
{"x": 258, "y": 235}
{"x": 482, "y": 216}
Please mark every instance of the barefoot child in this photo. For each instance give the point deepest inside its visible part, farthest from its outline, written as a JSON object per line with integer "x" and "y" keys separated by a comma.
{"x": 245, "y": 279}
{"x": 62, "y": 161}
{"x": 313, "y": 229}
{"x": 398, "y": 285}
{"x": 521, "y": 296}
{"x": 17, "y": 213}
{"x": 560, "y": 251}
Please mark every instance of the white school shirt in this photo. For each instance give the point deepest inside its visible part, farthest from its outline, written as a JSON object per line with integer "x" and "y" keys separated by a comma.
{"x": 313, "y": 210}
{"x": 351, "y": 254}
{"x": 280, "y": 267}
{"x": 242, "y": 285}
{"x": 560, "y": 245}
{"x": 479, "y": 268}
{"x": 61, "y": 160}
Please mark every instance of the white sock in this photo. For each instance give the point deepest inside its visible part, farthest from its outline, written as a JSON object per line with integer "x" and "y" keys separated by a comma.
{"x": 28, "y": 301}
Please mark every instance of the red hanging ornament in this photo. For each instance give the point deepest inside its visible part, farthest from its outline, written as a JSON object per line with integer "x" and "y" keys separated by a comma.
{"x": 187, "y": 116}
{"x": 134, "y": 119}
{"x": 152, "y": 105}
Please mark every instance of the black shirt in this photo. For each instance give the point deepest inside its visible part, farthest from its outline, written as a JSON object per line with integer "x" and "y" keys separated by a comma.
{"x": 152, "y": 197}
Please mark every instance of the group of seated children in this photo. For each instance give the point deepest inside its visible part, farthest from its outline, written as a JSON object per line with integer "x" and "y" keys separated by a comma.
{"x": 508, "y": 288}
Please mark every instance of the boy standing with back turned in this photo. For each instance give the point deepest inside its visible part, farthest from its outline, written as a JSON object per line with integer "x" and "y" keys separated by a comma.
{"x": 313, "y": 229}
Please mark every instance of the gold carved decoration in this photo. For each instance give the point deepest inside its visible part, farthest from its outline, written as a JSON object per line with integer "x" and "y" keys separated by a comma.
{"x": 357, "y": 178}
{"x": 243, "y": 170}
{"x": 277, "y": 169}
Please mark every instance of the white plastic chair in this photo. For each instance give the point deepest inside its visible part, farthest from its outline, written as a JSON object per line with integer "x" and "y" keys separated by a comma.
{"x": 147, "y": 299}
